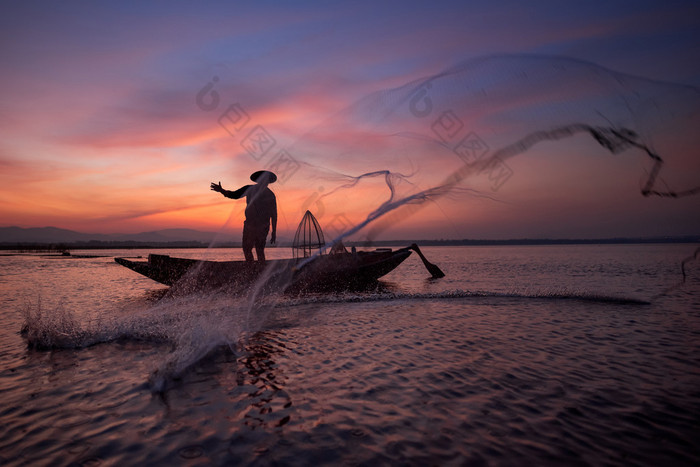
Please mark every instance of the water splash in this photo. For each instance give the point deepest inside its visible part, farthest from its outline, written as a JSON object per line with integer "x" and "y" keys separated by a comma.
{"x": 191, "y": 326}
{"x": 54, "y": 328}
{"x": 466, "y": 294}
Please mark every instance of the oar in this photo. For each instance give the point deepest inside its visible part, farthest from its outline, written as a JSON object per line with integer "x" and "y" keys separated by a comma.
{"x": 435, "y": 271}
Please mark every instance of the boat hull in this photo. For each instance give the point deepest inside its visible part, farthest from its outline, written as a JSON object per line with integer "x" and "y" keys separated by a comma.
{"x": 335, "y": 271}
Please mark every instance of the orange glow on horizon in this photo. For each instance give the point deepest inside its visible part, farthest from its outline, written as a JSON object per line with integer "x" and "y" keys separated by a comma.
{"x": 108, "y": 135}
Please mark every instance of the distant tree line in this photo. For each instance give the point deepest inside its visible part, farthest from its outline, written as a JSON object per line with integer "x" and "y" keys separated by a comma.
{"x": 104, "y": 245}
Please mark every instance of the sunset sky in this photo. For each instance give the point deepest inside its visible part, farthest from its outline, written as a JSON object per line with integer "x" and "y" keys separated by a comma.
{"x": 116, "y": 117}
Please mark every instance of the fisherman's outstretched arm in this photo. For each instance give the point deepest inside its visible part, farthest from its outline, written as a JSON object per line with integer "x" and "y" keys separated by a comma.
{"x": 229, "y": 194}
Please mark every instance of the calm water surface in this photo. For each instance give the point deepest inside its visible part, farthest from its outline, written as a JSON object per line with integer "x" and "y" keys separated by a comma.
{"x": 576, "y": 355}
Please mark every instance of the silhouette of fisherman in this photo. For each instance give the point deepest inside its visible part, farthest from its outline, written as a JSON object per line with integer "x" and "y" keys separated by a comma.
{"x": 260, "y": 212}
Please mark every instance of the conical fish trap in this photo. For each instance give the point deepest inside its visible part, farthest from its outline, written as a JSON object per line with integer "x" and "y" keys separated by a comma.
{"x": 309, "y": 237}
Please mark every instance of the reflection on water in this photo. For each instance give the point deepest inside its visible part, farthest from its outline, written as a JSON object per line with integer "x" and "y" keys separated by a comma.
{"x": 549, "y": 355}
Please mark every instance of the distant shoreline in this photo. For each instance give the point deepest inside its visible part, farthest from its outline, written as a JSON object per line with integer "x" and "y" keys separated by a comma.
{"x": 544, "y": 241}
{"x": 107, "y": 245}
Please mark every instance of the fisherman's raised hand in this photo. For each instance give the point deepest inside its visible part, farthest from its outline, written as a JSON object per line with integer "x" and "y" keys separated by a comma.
{"x": 217, "y": 187}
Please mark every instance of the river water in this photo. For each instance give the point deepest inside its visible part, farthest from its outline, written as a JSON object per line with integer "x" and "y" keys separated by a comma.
{"x": 521, "y": 355}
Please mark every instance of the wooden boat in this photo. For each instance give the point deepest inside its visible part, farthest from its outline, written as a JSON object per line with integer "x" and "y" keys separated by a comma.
{"x": 332, "y": 271}
{"x": 309, "y": 270}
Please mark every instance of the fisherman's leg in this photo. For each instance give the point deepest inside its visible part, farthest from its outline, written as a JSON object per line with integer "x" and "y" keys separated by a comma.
{"x": 260, "y": 245}
{"x": 248, "y": 243}
{"x": 248, "y": 253}
{"x": 260, "y": 251}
